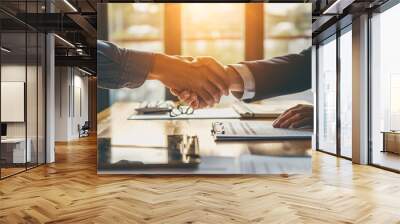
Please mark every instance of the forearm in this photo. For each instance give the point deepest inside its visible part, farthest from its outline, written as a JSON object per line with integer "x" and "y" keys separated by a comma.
{"x": 281, "y": 75}
{"x": 162, "y": 66}
{"x": 235, "y": 81}
{"x": 119, "y": 67}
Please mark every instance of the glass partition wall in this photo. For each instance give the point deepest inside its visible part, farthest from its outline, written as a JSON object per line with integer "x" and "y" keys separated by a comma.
{"x": 326, "y": 140}
{"x": 334, "y": 94}
{"x": 346, "y": 95}
{"x": 22, "y": 93}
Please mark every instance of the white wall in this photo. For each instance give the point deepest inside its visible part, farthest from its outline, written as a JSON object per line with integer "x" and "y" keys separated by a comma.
{"x": 61, "y": 103}
{"x": 33, "y": 126}
{"x": 70, "y": 83}
{"x": 12, "y": 73}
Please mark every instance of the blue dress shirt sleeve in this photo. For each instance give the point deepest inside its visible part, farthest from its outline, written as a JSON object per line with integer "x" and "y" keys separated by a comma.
{"x": 120, "y": 67}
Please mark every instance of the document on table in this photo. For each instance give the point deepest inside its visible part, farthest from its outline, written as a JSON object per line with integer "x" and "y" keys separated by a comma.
{"x": 255, "y": 130}
{"x": 209, "y": 113}
{"x": 268, "y": 109}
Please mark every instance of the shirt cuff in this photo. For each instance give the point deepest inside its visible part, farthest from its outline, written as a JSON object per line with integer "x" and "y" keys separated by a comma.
{"x": 249, "y": 85}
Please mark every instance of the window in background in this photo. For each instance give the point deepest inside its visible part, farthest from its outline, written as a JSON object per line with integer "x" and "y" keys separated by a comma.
{"x": 137, "y": 26}
{"x": 346, "y": 94}
{"x": 32, "y": 96}
{"x": 41, "y": 79}
{"x": 327, "y": 96}
{"x": 385, "y": 83}
{"x": 287, "y": 28}
{"x": 210, "y": 29}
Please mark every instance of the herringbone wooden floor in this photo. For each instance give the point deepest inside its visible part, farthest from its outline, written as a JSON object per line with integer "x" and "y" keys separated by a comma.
{"x": 70, "y": 191}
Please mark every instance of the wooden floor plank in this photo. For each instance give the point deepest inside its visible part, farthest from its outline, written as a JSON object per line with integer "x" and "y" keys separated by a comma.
{"x": 70, "y": 191}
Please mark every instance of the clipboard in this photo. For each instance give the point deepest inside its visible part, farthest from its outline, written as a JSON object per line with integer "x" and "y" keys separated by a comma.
{"x": 255, "y": 130}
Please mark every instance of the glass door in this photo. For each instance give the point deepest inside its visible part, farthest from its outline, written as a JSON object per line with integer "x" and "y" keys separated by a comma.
{"x": 326, "y": 140}
{"x": 346, "y": 92}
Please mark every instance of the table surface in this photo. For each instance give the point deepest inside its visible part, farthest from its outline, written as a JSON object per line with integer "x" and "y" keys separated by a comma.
{"x": 241, "y": 157}
{"x": 13, "y": 140}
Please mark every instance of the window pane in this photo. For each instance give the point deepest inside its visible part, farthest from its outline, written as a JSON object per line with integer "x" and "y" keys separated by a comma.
{"x": 346, "y": 94}
{"x": 277, "y": 47}
{"x": 287, "y": 28}
{"x": 385, "y": 84}
{"x": 32, "y": 98}
{"x": 41, "y": 98}
{"x": 135, "y": 23}
{"x": 137, "y": 26}
{"x": 210, "y": 29}
{"x": 327, "y": 97}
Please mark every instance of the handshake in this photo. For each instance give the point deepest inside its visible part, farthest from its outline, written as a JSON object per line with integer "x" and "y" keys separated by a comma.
{"x": 200, "y": 82}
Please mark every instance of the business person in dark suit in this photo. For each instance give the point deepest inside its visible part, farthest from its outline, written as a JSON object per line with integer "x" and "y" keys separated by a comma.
{"x": 255, "y": 80}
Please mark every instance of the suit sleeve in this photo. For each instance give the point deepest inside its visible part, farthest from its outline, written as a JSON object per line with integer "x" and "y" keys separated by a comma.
{"x": 281, "y": 75}
{"x": 119, "y": 67}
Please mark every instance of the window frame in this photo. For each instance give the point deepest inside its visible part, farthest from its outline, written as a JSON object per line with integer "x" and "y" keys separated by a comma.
{"x": 343, "y": 31}
{"x": 381, "y": 9}
{"x": 332, "y": 36}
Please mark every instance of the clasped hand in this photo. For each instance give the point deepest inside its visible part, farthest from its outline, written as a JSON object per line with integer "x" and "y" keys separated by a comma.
{"x": 213, "y": 68}
{"x": 200, "y": 82}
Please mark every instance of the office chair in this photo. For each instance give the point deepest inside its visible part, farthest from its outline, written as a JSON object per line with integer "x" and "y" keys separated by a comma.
{"x": 84, "y": 130}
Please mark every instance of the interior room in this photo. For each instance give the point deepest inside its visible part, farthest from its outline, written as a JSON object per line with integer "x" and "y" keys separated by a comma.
{"x": 56, "y": 115}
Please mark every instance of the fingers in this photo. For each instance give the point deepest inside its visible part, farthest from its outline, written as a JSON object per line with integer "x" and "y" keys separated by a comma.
{"x": 298, "y": 116}
{"x": 289, "y": 113}
{"x": 285, "y": 116}
{"x": 206, "y": 96}
{"x": 184, "y": 95}
{"x": 185, "y": 58}
{"x": 213, "y": 91}
{"x": 218, "y": 74}
{"x": 189, "y": 98}
{"x": 307, "y": 121}
{"x": 289, "y": 121}
{"x": 219, "y": 83}
{"x": 202, "y": 104}
{"x": 205, "y": 80}
{"x": 194, "y": 104}
{"x": 193, "y": 100}
{"x": 174, "y": 92}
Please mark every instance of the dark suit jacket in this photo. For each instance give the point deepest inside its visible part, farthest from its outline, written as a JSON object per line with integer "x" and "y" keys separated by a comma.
{"x": 281, "y": 75}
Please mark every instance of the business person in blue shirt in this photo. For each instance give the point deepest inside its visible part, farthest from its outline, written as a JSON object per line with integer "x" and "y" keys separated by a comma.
{"x": 119, "y": 67}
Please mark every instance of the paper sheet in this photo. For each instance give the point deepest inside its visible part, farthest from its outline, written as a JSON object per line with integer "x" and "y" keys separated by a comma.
{"x": 211, "y": 113}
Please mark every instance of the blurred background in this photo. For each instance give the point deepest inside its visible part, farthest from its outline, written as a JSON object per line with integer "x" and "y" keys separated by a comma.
{"x": 229, "y": 32}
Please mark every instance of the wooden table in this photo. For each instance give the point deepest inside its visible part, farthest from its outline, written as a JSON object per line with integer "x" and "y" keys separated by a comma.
{"x": 253, "y": 157}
